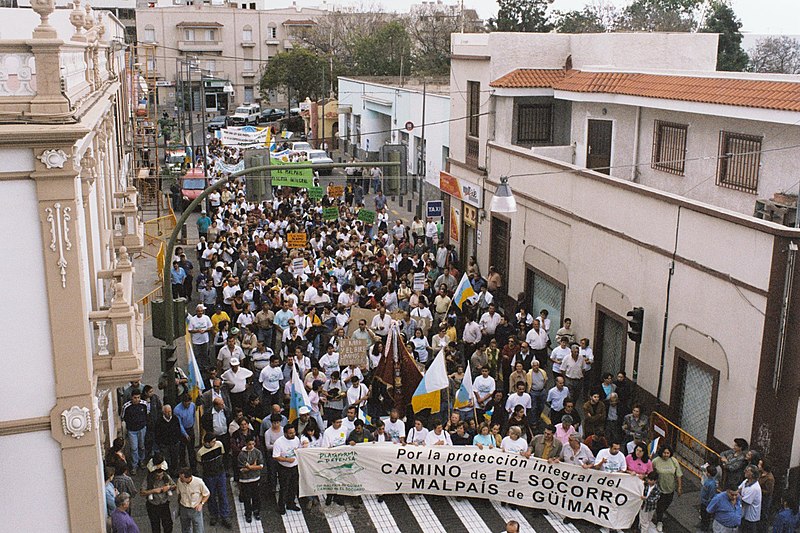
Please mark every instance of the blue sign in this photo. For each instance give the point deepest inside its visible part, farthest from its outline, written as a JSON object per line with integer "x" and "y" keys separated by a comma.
{"x": 434, "y": 208}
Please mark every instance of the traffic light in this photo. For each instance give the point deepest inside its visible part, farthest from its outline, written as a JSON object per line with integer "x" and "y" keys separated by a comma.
{"x": 635, "y": 324}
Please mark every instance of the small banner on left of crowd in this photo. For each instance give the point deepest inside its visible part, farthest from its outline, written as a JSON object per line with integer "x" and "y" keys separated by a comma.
{"x": 610, "y": 500}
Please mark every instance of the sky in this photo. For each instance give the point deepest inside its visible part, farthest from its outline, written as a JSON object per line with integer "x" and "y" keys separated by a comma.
{"x": 758, "y": 16}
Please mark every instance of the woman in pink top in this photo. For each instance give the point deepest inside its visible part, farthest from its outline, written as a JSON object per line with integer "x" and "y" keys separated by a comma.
{"x": 638, "y": 462}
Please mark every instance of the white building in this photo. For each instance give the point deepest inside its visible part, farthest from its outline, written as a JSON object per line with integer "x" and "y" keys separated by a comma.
{"x": 374, "y": 112}
{"x": 664, "y": 221}
{"x": 70, "y": 224}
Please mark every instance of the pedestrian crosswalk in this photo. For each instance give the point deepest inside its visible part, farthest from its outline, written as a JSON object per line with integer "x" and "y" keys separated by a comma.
{"x": 409, "y": 514}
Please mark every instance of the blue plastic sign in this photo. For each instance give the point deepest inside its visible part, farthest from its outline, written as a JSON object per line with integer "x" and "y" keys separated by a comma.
{"x": 434, "y": 208}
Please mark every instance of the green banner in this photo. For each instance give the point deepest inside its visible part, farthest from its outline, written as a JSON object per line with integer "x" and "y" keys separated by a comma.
{"x": 330, "y": 213}
{"x": 366, "y": 216}
{"x": 291, "y": 177}
{"x": 315, "y": 193}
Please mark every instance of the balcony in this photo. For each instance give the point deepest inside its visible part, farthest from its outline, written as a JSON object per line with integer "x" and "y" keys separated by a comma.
{"x": 128, "y": 227}
{"x": 473, "y": 149}
{"x": 117, "y": 329}
{"x": 248, "y": 73}
{"x": 247, "y": 44}
{"x": 200, "y": 46}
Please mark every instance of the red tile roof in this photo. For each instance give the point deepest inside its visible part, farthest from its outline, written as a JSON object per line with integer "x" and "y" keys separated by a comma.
{"x": 530, "y": 78}
{"x": 763, "y": 94}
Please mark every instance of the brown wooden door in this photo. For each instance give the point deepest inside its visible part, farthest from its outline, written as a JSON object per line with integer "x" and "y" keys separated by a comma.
{"x": 598, "y": 146}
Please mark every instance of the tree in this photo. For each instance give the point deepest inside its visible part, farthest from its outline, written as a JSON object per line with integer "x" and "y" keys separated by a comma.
{"x": 387, "y": 52}
{"x": 429, "y": 27}
{"x": 521, "y": 15}
{"x": 586, "y": 20}
{"x": 298, "y": 72}
{"x": 779, "y": 55}
{"x": 722, "y": 20}
{"x": 660, "y": 15}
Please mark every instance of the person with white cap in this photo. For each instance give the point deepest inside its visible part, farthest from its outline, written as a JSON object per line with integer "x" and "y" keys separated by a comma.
{"x": 237, "y": 379}
{"x": 199, "y": 327}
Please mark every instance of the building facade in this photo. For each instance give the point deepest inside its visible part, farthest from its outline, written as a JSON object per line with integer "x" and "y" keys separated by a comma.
{"x": 229, "y": 44}
{"x": 636, "y": 188}
{"x": 70, "y": 227}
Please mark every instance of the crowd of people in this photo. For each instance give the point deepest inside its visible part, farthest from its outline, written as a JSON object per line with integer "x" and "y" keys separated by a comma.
{"x": 261, "y": 309}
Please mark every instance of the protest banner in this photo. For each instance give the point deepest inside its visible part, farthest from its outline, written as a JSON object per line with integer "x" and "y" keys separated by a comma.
{"x": 609, "y": 500}
{"x": 419, "y": 281}
{"x": 286, "y": 176}
{"x": 335, "y": 191}
{"x": 330, "y": 213}
{"x": 242, "y": 136}
{"x": 353, "y": 352}
{"x": 356, "y": 314}
{"x": 315, "y": 193}
{"x": 366, "y": 216}
{"x": 298, "y": 265}
{"x": 226, "y": 168}
{"x": 296, "y": 240}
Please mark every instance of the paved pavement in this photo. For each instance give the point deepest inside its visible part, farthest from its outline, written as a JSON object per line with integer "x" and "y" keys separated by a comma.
{"x": 397, "y": 513}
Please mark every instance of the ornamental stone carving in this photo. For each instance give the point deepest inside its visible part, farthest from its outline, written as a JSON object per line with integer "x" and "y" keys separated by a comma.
{"x": 53, "y": 158}
{"x": 44, "y": 8}
{"x": 77, "y": 18}
{"x": 76, "y": 421}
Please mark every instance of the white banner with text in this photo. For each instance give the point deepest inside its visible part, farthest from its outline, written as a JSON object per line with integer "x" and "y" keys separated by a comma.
{"x": 608, "y": 499}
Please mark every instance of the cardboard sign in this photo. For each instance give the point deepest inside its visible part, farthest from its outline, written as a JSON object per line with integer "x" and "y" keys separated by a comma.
{"x": 419, "y": 281}
{"x": 335, "y": 191}
{"x": 315, "y": 193}
{"x": 298, "y": 265}
{"x": 353, "y": 352}
{"x": 356, "y": 314}
{"x": 330, "y": 213}
{"x": 366, "y": 216}
{"x": 296, "y": 240}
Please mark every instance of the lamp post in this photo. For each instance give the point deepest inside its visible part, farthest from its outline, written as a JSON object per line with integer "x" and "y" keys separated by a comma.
{"x": 168, "y": 358}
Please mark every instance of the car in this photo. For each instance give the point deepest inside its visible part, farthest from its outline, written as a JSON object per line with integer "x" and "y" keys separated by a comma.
{"x": 318, "y": 157}
{"x": 193, "y": 183}
{"x": 216, "y": 123}
{"x": 271, "y": 115}
{"x": 245, "y": 115}
{"x": 300, "y": 146}
{"x": 175, "y": 159}
{"x": 294, "y": 112}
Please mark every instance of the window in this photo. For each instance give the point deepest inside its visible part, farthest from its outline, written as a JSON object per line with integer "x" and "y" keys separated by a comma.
{"x": 248, "y": 93}
{"x": 188, "y": 35}
{"x": 669, "y": 147}
{"x": 535, "y": 123}
{"x": 211, "y": 35}
{"x": 473, "y": 107}
{"x": 151, "y": 64}
{"x": 272, "y": 32}
{"x": 149, "y": 34}
{"x": 739, "y": 161}
{"x": 247, "y": 34}
{"x": 211, "y": 65}
{"x": 247, "y": 64}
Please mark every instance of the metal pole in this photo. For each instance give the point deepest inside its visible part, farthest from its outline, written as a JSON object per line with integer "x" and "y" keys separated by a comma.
{"x": 191, "y": 106}
{"x": 322, "y": 133}
{"x": 205, "y": 132}
{"x": 422, "y": 164}
{"x": 182, "y": 93}
{"x": 635, "y": 376}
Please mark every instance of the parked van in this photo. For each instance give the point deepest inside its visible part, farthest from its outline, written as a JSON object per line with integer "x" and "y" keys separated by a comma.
{"x": 245, "y": 115}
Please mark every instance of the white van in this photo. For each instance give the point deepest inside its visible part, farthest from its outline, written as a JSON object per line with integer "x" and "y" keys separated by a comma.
{"x": 245, "y": 115}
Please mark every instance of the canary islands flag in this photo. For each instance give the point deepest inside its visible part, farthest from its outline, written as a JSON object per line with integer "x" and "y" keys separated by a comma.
{"x": 464, "y": 291}
{"x": 428, "y": 393}
{"x": 464, "y": 392}
{"x": 299, "y": 397}
{"x": 195, "y": 384}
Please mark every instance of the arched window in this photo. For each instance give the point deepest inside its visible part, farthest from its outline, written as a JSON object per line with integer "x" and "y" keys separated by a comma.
{"x": 272, "y": 31}
{"x": 149, "y": 34}
{"x": 247, "y": 34}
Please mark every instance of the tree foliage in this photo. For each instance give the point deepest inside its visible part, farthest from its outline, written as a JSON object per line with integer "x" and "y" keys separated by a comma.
{"x": 522, "y": 16}
{"x": 660, "y": 15}
{"x": 299, "y": 72}
{"x": 387, "y": 52}
{"x": 722, "y": 20}
{"x": 429, "y": 27}
{"x": 780, "y": 55}
{"x": 590, "y": 19}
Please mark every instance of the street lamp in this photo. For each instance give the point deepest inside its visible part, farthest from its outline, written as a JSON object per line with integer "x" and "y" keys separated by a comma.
{"x": 503, "y": 200}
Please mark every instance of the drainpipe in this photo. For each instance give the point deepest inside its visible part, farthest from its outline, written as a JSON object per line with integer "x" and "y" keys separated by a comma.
{"x": 788, "y": 281}
{"x": 637, "y": 123}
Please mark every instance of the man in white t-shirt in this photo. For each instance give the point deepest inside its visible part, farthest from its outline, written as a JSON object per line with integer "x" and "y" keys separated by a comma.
{"x": 395, "y": 428}
{"x": 284, "y": 452}
{"x": 199, "y": 326}
{"x": 334, "y": 436}
{"x": 610, "y": 459}
{"x": 329, "y": 362}
{"x": 438, "y": 437}
{"x": 520, "y": 398}
{"x": 483, "y": 388}
{"x": 558, "y": 355}
{"x": 270, "y": 378}
{"x": 358, "y": 393}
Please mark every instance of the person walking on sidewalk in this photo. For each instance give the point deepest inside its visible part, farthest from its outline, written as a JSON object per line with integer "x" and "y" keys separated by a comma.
{"x": 669, "y": 481}
{"x": 193, "y": 495}
{"x": 250, "y": 463}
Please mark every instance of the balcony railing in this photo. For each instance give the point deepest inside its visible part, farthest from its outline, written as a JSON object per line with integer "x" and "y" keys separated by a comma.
{"x": 473, "y": 149}
{"x": 200, "y": 46}
{"x": 128, "y": 227}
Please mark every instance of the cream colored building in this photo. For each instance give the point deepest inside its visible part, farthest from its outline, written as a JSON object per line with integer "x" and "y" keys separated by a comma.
{"x": 68, "y": 215}
{"x": 664, "y": 221}
{"x": 231, "y": 44}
